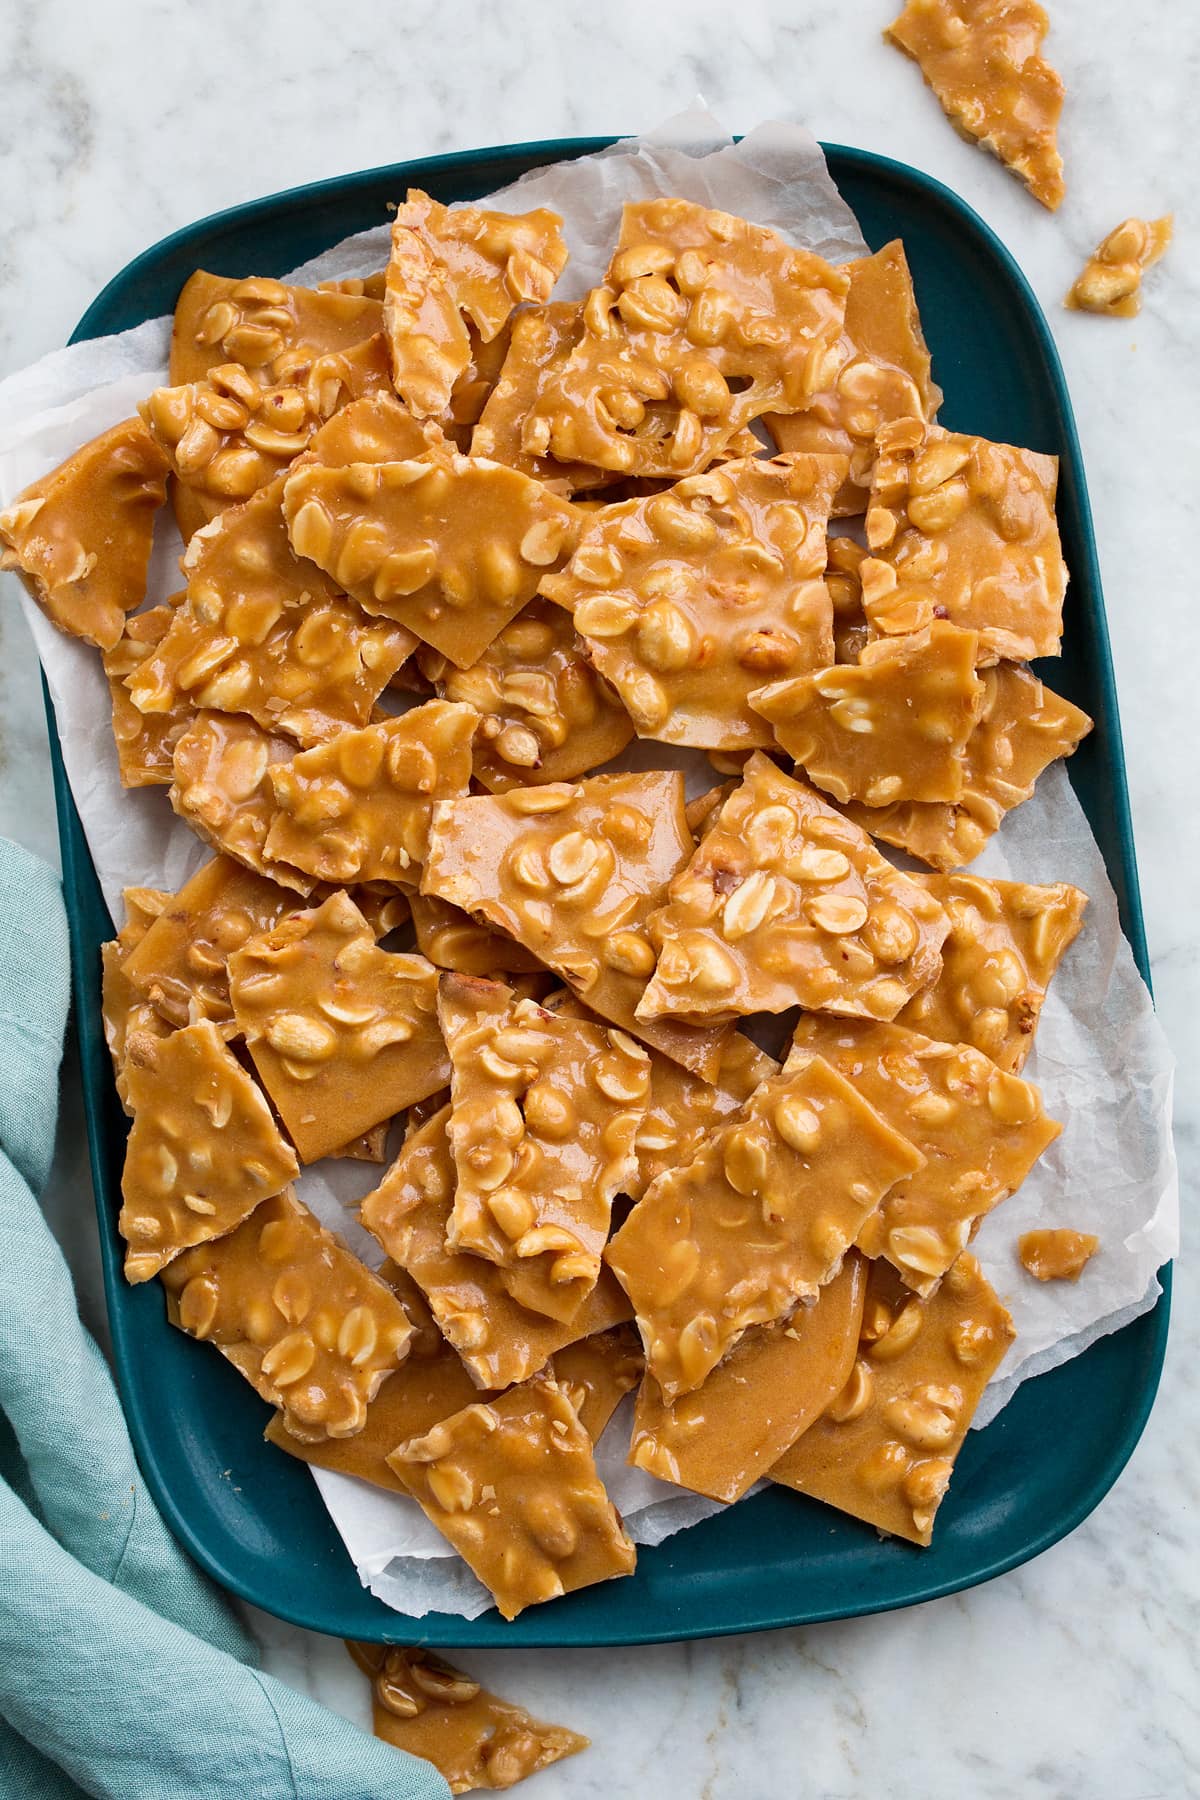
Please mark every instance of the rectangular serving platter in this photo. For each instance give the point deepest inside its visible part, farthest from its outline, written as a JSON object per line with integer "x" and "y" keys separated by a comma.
{"x": 252, "y": 1517}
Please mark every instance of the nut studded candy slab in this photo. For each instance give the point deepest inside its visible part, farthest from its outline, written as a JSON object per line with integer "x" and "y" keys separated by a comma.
{"x": 885, "y": 1449}
{"x": 544, "y": 1113}
{"x": 262, "y": 323}
{"x": 757, "y": 1222}
{"x": 979, "y": 1129}
{"x": 682, "y": 1110}
{"x": 343, "y": 1034}
{"x": 80, "y": 537}
{"x": 692, "y": 598}
{"x": 203, "y": 1149}
{"x": 512, "y": 1485}
{"x": 123, "y": 1010}
{"x": 145, "y": 742}
{"x": 597, "y": 1372}
{"x": 311, "y": 1329}
{"x": 784, "y": 901}
{"x": 573, "y": 873}
{"x": 221, "y": 789}
{"x": 542, "y": 338}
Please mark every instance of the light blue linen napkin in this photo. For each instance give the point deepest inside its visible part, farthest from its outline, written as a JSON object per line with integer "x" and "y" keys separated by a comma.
{"x": 123, "y": 1671}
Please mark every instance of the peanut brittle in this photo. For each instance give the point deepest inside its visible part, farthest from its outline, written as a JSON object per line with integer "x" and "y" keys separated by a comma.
{"x": 311, "y": 1329}
{"x": 1111, "y": 282}
{"x": 882, "y": 374}
{"x": 758, "y": 1221}
{"x": 203, "y": 1149}
{"x": 373, "y": 428}
{"x": 542, "y": 338}
{"x": 372, "y": 286}
{"x": 262, "y": 324}
{"x": 511, "y": 1483}
{"x": 885, "y": 1449}
{"x": 145, "y": 742}
{"x": 342, "y": 1034}
{"x": 544, "y": 1113}
{"x": 124, "y": 1010}
{"x": 358, "y": 808}
{"x": 979, "y": 1129}
{"x": 221, "y": 789}
{"x": 473, "y": 389}
{"x": 963, "y": 529}
{"x": 892, "y": 726}
{"x": 851, "y": 631}
{"x": 703, "y": 323}
{"x": 1022, "y": 729}
{"x": 983, "y": 61}
{"x": 573, "y": 872}
{"x": 682, "y": 1110}
{"x": 689, "y": 600}
{"x": 1006, "y": 940}
{"x": 784, "y": 901}
{"x": 777, "y": 1379}
{"x": 1058, "y": 1255}
{"x": 473, "y": 1738}
{"x": 499, "y": 1341}
{"x": 597, "y": 1372}
{"x": 447, "y": 545}
{"x": 450, "y": 938}
{"x": 544, "y": 713}
{"x": 366, "y": 1146}
{"x": 80, "y": 537}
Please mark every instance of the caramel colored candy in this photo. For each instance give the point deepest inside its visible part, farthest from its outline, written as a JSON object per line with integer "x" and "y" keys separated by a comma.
{"x": 498, "y": 1340}
{"x": 80, "y": 537}
{"x": 221, "y": 789}
{"x": 262, "y": 324}
{"x": 683, "y": 1110}
{"x": 693, "y": 598}
{"x": 979, "y": 1129}
{"x": 597, "y": 1372}
{"x": 963, "y": 529}
{"x": 544, "y": 1113}
{"x": 573, "y": 873}
{"x": 203, "y": 1150}
{"x": 885, "y": 1449}
{"x": 343, "y": 1034}
{"x": 784, "y": 901}
{"x": 512, "y": 1485}
{"x": 311, "y": 1329}
{"x": 984, "y": 64}
{"x": 145, "y": 742}
{"x": 775, "y": 1381}
{"x": 1111, "y": 282}
{"x": 892, "y": 727}
{"x": 758, "y": 1221}
{"x": 542, "y": 339}
{"x": 358, "y": 808}
{"x": 368, "y": 1146}
{"x": 1058, "y": 1255}
{"x": 124, "y": 1011}
{"x": 1022, "y": 729}
{"x": 450, "y": 938}
{"x": 882, "y": 374}
{"x": 374, "y": 429}
{"x": 1006, "y": 940}
{"x": 851, "y": 631}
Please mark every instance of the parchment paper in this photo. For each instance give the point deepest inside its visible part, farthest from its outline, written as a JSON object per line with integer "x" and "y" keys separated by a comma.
{"x": 1100, "y": 1056}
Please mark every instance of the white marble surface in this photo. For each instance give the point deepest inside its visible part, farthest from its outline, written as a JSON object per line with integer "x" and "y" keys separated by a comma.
{"x": 1076, "y": 1676}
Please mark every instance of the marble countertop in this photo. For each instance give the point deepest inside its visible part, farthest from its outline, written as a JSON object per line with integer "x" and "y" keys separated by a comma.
{"x": 1075, "y": 1677}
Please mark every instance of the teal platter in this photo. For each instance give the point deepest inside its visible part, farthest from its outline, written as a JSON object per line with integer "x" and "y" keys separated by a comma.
{"x": 252, "y": 1517}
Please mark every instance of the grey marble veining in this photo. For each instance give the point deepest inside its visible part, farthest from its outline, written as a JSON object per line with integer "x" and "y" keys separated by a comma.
{"x": 1074, "y": 1678}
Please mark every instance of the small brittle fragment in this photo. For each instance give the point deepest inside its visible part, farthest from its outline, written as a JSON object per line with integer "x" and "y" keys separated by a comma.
{"x": 124, "y": 1009}
{"x": 851, "y": 631}
{"x": 511, "y": 1483}
{"x": 203, "y": 1149}
{"x": 786, "y": 901}
{"x": 595, "y": 1373}
{"x": 311, "y": 1329}
{"x": 221, "y": 789}
{"x": 885, "y": 1450}
{"x": 682, "y": 1110}
{"x": 542, "y": 339}
{"x": 1056, "y": 1255}
{"x": 758, "y": 1221}
{"x": 145, "y": 742}
{"x": 691, "y": 599}
{"x": 453, "y": 940}
{"x": 1111, "y": 281}
{"x": 343, "y": 1034}
{"x": 262, "y": 323}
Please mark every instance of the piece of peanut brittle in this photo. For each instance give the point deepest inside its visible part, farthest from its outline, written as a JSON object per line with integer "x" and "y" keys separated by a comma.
{"x": 1056, "y": 1255}
{"x": 573, "y": 873}
{"x": 1006, "y": 940}
{"x": 984, "y": 63}
{"x": 979, "y": 1129}
{"x": 893, "y": 726}
{"x": 1111, "y": 281}
{"x": 203, "y": 1149}
{"x": 311, "y": 1329}
{"x": 851, "y": 629}
{"x": 80, "y": 537}
{"x": 542, "y": 338}
{"x": 758, "y": 1221}
{"x": 784, "y": 901}
{"x": 885, "y": 1450}
{"x": 262, "y": 323}
{"x": 544, "y": 1112}
{"x": 124, "y": 1010}
{"x": 511, "y": 1483}
{"x": 691, "y": 599}
{"x": 963, "y": 529}
{"x": 145, "y": 742}
{"x": 595, "y": 1373}
{"x": 342, "y": 1034}
{"x": 221, "y": 789}
{"x": 777, "y": 1379}
{"x": 358, "y": 808}
{"x": 453, "y": 940}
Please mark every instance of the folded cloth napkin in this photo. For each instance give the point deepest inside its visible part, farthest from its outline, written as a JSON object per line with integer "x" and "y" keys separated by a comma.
{"x": 123, "y": 1671}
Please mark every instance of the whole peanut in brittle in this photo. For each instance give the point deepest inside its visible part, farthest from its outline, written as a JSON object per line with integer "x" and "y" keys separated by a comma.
{"x": 758, "y": 1221}
{"x": 311, "y": 1329}
{"x": 784, "y": 901}
{"x": 203, "y": 1149}
{"x": 542, "y": 338}
{"x": 1111, "y": 281}
{"x": 342, "y": 1034}
{"x": 262, "y": 324}
{"x": 851, "y": 630}
{"x": 221, "y": 789}
{"x": 453, "y": 940}
{"x": 80, "y": 537}
{"x": 145, "y": 742}
{"x": 691, "y": 599}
